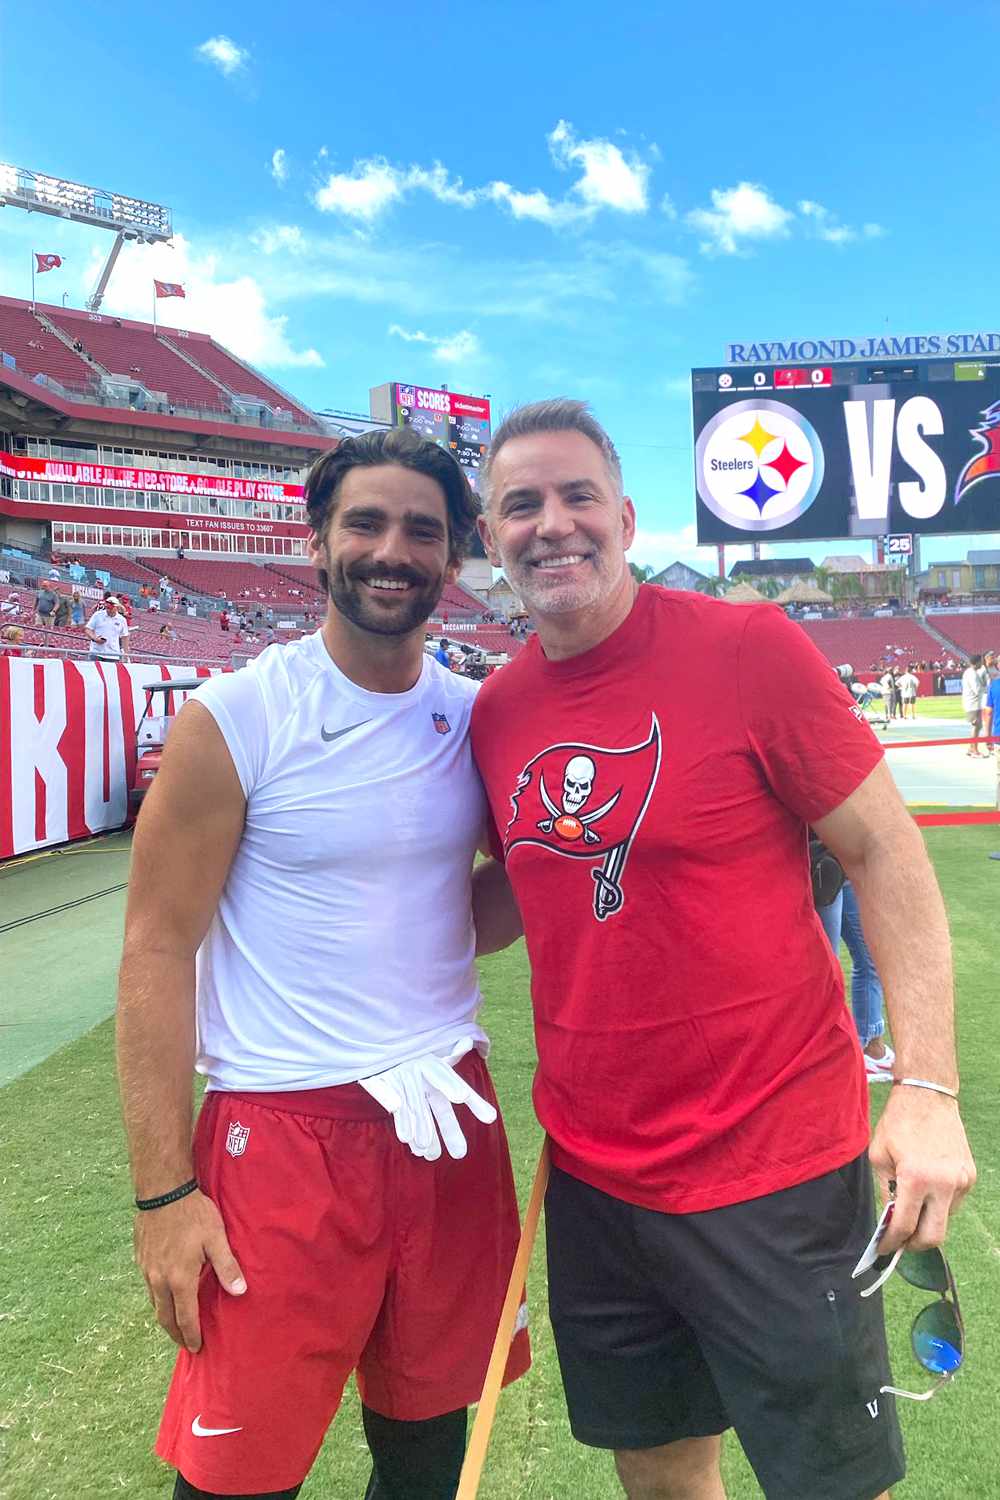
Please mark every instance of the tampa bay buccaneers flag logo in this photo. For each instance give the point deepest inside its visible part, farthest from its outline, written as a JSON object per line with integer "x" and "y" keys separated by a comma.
{"x": 586, "y": 802}
{"x": 987, "y": 461}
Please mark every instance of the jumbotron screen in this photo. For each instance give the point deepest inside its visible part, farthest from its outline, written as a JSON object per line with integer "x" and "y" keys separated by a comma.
{"x": 459, "y": 423}
{"x": 835, "y": 451}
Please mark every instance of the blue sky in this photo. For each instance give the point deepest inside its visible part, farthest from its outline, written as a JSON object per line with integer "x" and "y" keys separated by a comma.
{"x": 526, "y": 200}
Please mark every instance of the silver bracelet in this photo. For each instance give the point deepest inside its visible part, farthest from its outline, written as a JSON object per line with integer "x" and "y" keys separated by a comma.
{"x": 922, "y": 1083}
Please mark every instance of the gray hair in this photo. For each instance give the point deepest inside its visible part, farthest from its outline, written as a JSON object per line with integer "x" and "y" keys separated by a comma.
{"x": 561, "y": 414}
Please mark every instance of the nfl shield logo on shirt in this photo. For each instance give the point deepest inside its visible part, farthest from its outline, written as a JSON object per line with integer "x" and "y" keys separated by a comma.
{"x": 441, "y": 724}
{"x": 236, "y": 1139}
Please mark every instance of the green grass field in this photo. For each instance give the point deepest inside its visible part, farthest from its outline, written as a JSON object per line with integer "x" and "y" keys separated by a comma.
{"x": 83, "y": 1369}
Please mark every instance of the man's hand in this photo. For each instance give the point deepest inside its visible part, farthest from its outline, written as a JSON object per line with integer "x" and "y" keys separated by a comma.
{"x": 420, "y": 1094}
{"x": 172, "y": 1244}
{"x": 920, "y": 1144}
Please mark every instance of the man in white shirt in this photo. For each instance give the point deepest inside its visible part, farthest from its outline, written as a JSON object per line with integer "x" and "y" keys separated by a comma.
{"x": 301, "y": 928}
{"x": 909, "y": 685}
{"x": 975, "y": 686}
{"x": 107, "y": 632}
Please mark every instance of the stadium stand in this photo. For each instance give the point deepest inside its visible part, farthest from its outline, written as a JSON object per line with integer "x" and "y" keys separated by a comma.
{"x": 247, "y": 584}
{"x": 459, "y": 603}
{"x": 865, "y": 642}
{"x": 38, "y": 351}
{"x": 120, "y": 567}
{"x": 132, "y": 350}
{"x": 237, "y": 377}
{"x": 970, "y": 633}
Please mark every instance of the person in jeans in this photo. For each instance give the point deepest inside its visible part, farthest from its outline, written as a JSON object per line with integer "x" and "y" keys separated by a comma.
{"x": 842, "y": 920}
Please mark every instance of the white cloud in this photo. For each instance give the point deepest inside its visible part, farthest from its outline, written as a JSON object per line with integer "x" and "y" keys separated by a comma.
{"x": 279, "y": 166}
{"x": 739, "y": 214}
{"x": 223, "y": 53}
{"x": 232, "y": 307}
{"x": 279, "y": 238}
{"x": 363, "y": 194}
{"x": 610, "y": 179}
{"x": 374, "y": 185}
{"x": 827, "y": 226}
{"x": 455, "y": 348}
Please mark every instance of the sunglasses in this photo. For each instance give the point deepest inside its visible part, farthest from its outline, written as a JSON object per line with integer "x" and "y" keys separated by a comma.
{"x": 937, "y": 1336}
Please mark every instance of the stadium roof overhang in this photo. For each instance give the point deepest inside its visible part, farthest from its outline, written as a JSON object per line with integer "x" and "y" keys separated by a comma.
{"x": 25, "y": 402}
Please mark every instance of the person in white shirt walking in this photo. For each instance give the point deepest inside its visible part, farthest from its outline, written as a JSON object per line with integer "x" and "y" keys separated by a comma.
{"x": 107, "y": 632}
{"x": 301, "y": 928}
{"x": 975, "y": 686}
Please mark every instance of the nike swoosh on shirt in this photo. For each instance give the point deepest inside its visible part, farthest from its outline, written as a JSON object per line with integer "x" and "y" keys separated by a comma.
{"x": 200, "y": 1431}
{"x": 338, "y": 732}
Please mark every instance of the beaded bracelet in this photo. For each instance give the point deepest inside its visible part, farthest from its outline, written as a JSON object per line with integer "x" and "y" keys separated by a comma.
{"x": 144, "y": 1204}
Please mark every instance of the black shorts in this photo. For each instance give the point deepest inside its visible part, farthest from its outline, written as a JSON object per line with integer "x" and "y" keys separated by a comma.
{"x": 672, "y": 1326}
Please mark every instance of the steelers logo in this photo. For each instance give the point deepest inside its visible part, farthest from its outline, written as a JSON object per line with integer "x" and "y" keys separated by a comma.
{"x": 759, "y": 465}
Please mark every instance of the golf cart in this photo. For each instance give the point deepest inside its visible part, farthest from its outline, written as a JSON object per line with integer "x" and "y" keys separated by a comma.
{"x": 152, "y": 730}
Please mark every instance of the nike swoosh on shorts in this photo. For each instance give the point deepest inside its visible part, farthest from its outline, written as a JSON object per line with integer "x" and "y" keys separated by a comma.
{"x": 338, "y": 732}
{"x": 200, "y": 1431}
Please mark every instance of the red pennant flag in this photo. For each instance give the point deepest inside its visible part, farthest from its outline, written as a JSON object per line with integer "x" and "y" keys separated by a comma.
{"x": 169, "y": 289}
{"x": 47, "y": 262}
{"x": 586, "y": 802}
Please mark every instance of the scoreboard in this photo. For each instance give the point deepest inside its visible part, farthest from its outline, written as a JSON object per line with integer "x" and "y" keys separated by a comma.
{"x": 831, "y": 451}
{"x": 459, "y": 423}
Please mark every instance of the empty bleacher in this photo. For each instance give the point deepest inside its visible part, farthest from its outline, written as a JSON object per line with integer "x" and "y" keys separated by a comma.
{"x": 237, "y": 377}
{"x": 36, "y": 350}
{"x": 247, "y": 585}
{"x": 864, "y": 643}
{"x": 970, "y": 633}
{"x": 132, "y": 350}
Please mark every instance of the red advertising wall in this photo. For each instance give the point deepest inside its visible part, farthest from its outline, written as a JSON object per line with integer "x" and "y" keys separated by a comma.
{"x": 67, "y": 746}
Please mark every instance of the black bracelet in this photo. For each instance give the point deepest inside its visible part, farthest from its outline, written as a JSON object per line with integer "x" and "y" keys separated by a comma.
{"x": 179, "y": 1192}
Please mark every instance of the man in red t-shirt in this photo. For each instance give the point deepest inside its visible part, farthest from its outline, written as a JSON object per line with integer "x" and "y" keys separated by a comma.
{"x": 698, "y": 1072}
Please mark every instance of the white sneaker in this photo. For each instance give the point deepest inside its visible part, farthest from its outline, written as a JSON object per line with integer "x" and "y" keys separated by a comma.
{"x": 879, "y": 1069}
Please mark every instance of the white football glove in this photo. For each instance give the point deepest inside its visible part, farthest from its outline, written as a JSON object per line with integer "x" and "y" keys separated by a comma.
{"x": 419, "y": 1095}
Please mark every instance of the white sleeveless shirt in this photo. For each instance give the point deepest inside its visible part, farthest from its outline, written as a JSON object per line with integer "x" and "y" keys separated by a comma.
{"x": 343, "y": 942}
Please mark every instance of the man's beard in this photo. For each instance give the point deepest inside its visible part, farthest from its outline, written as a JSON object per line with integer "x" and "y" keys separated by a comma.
{"x": 347, "y": 591}
{"x": 548, "y": 596}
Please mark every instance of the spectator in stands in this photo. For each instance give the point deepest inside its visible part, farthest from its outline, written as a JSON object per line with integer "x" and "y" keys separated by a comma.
{"x": 975, "y": 684}
{"x": 153, "y": 604}
{"x": 78, "y": 614}
{"x": 224, "y": 621}
{"x": 11, "y": 637}
{"x": 167, "y": 632}
{"x": 107, "y": 631}
{"x": 10, "y": 608}
{"x": 269, "y": 615}
{"x": 441, "y": 654}
{"x": 63, "y": 610}
{"x": 45, "y": 605}
{"x": 908, "y": 684}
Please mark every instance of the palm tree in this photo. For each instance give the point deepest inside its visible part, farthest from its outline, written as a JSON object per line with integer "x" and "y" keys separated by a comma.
{"x": 769, "y": 587}
{"x": 711, "y": 586}
{"x": 641, "y": 572}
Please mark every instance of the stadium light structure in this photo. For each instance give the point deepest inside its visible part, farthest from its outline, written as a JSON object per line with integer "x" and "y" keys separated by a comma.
{"x": 128, "y": 218}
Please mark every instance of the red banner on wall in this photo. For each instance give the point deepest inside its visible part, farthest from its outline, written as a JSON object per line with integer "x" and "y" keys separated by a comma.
{"x": 67, "y": 747}
{"x": 150, "y": 481}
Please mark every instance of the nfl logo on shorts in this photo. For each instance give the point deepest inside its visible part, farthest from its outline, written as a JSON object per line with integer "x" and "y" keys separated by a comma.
{"x": 441, "y": 724}
{"x": 236, "y": 1140}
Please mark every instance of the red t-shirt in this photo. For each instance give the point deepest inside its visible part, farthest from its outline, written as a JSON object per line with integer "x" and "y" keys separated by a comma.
{"x": 652, "y": 798}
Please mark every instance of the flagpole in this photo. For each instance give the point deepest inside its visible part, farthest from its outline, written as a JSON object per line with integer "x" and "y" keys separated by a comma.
{"x": 154, "y": 306}
{"x": 32, "y": 281}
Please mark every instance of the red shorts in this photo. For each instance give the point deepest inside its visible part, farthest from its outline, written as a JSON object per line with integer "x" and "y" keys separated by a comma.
{"x": 358, "y": 1256}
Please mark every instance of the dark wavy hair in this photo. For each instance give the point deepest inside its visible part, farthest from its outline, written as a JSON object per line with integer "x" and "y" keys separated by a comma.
{"x": 393, "y": 445}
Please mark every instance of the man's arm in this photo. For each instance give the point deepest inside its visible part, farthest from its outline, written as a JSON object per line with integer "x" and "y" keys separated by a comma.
{"x": 494, "y": 909}
{"x": 185, "y": 840}
{"x": 920, "y": 1141}
{"x": 125, "y": 645}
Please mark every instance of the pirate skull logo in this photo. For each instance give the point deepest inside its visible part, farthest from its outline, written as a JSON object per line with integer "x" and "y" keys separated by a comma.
{"x": 578, "y": 782}
{"x": 570, "y": 822}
